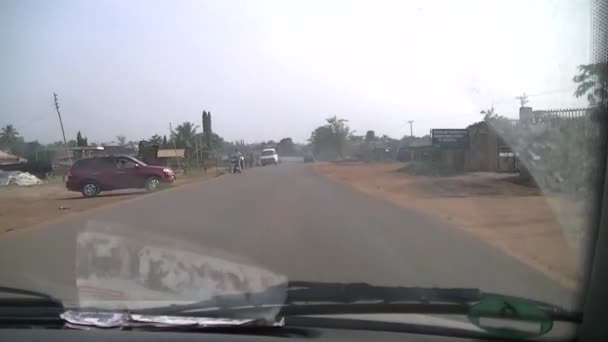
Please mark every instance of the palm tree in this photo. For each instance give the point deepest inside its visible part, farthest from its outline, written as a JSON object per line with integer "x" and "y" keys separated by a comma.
{"x": 8, "y": 134}
{"x": 184, "y": 136}
{"x": 156, "y": 140}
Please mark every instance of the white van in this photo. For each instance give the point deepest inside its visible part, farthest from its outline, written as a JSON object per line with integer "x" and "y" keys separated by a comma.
{"x": 269, "y": 156}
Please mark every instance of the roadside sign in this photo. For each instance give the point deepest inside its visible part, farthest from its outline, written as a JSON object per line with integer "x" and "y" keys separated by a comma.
{"x": 450, "y": 137}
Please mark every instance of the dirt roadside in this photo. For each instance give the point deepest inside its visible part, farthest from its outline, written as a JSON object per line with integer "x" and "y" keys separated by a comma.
{"x": 21, "y": 207}
{"x": 516, "y": 219}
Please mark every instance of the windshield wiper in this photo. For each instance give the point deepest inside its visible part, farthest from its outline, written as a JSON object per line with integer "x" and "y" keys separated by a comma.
{"x": 306, "y": 291}
{"x": 318, "y": 298}
{"x": 24, "y": 297}
{"x": 24, "y": 308}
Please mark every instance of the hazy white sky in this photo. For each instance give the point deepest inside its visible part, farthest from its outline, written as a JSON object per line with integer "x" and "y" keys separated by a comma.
{"x": 272, "y": 69}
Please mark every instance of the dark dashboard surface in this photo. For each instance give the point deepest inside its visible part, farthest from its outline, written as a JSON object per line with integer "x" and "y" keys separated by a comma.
{"x": 132, "y": 336}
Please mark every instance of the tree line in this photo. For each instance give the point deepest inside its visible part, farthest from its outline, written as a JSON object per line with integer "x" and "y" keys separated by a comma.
{"x": 335, "y": 140}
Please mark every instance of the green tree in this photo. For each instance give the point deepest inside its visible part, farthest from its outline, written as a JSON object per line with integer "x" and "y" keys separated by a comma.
{"x": 121, "y": 139}
{"x": 286, "y": 146}
{"x": 340, "y": 132}
{"x": 489, "y": 113}
{"x": 156, "y": 140}
{"x": 8, "y": 135}
{"x": 217, "y": 142}
{"x": 593, "y": 82}
{"x": 389, "y": 142}
{"x": 184, "y": 136}
{"x": 332, "y": 138}
{"x": 80, "y": 140}
{"x": 370, "y": 136}
{"x": 321, "y": 138}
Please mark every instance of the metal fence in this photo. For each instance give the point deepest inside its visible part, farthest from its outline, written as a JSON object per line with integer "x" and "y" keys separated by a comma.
{"x": 539, "y": 116}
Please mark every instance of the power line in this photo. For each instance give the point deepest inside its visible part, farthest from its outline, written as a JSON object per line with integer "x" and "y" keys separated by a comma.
{"x": 548, "y": 92}
{"x": 553, "y": 92}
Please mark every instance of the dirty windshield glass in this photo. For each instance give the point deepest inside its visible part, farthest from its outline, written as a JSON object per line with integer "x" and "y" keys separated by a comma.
{"x": 431, "y": 144}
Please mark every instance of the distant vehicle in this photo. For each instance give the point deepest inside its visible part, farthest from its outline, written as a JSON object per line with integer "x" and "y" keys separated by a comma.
{"x": 269, "y": 156}
{"x": 309, "y": 158}
{"x": 90, "y": 176}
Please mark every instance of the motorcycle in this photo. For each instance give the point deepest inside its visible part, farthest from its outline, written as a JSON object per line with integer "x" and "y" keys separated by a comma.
{"x": 235, "y": 166}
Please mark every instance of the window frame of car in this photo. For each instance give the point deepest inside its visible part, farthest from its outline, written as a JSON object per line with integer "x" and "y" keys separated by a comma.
{"x": 595, "y": 284}
{"x": 133, "y": 163}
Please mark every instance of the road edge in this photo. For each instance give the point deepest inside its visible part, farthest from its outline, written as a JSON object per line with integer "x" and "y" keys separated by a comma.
{"x": 41, "y": 225}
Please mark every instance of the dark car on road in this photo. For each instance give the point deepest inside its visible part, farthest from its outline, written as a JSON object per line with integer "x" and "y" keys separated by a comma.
{"x": 90, "y": 176}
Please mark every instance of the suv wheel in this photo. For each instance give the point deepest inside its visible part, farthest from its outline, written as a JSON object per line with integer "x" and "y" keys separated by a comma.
{"x": 152, "y": 183}
{"x": 90, "y": 189}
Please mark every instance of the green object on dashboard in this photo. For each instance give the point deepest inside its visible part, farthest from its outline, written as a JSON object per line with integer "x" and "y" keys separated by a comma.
{"x": 510, "y": 317}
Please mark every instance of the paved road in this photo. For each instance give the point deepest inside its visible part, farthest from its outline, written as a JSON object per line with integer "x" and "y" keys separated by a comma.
{"x": 292, "y": 221}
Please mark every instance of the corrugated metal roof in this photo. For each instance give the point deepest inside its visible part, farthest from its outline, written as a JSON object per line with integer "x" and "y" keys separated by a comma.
{"x": 170, "y": 153}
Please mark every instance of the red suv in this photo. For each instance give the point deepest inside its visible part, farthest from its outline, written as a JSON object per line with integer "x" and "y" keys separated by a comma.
{"x": 94, "y": 175}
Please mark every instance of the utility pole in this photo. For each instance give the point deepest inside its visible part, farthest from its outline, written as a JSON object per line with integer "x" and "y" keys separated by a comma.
{"x": 411, "y": 128}
{"x": 522, "y": 99}
{"x": 174, "y": 146}
{"x": 65, "y": 142}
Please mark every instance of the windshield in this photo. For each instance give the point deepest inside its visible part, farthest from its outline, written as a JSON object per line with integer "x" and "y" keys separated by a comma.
{"x": 432, "y": 144}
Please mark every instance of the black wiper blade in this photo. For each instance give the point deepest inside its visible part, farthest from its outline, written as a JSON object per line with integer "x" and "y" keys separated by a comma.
{"x": 305, "y": 291}
{"x": 25, "y": 308}
{"x": 318, "y": 298}
{"x": 367, "y": 298}
{"x": 22, "y": 297}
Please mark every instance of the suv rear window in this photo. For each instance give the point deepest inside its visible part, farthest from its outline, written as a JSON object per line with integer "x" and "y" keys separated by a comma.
{"x": 268, "y": 153}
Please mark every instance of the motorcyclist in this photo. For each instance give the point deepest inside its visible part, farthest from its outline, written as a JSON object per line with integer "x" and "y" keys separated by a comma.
{"x": 238, "y": 157}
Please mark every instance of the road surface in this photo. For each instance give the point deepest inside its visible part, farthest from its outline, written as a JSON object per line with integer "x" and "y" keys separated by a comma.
{"x": 292, "y": 221}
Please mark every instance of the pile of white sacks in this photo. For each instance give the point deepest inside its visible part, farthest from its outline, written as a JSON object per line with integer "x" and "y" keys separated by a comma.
{"x": 18, "y": 178}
